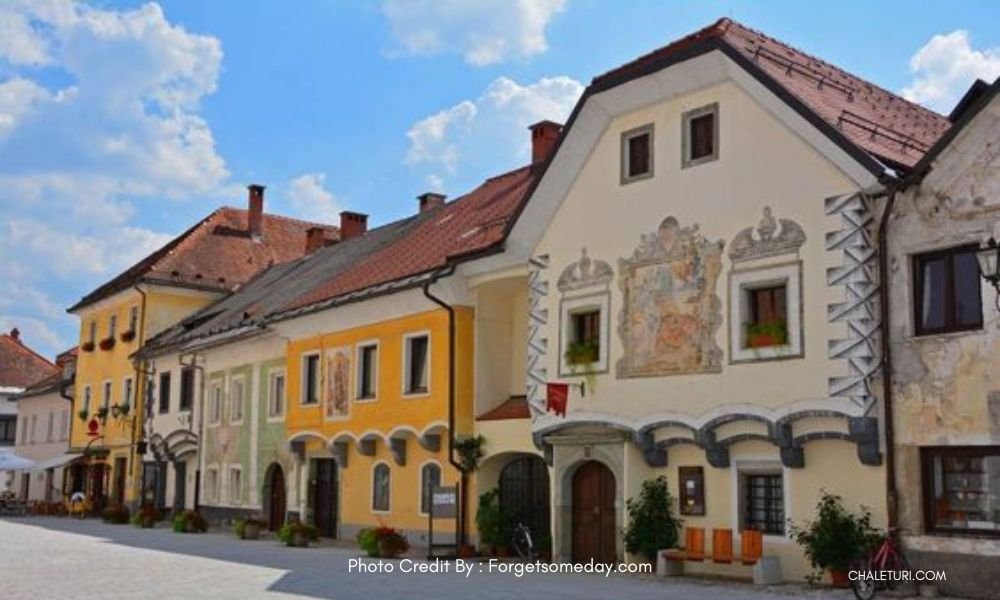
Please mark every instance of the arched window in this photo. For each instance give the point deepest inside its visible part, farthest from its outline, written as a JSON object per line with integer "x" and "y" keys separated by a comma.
{"x": 430, "y": 477}
{"x": 380, "y": 487}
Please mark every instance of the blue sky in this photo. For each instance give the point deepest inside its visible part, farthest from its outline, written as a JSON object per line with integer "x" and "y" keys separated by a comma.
{"x": 123, "y": 122}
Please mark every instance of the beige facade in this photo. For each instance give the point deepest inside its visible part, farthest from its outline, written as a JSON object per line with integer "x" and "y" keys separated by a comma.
{"x": 43, "y": 421}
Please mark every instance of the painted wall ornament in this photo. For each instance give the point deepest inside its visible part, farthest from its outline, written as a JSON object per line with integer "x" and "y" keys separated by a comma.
{"x": 338, "y": 369}
{"x": 769, "y": 238}
{"x": 585, "y": 273}
{"x": 671, "y": 311}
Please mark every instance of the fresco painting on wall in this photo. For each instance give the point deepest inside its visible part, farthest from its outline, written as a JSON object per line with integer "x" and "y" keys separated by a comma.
{"x": 670, "y": 311}
{"x": 338, "y": 368}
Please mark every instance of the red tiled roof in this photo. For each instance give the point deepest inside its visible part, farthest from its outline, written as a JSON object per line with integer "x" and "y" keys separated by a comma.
{"x": 218, "y": 254}
{"x": 876, "y": 120}
{"x": 21, "y": 366}
{"x": 516, "y": 407}
{"x": 471, "y": 223}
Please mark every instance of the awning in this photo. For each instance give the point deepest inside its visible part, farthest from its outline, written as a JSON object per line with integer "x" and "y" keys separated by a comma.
{"x": 12, "y": 462}
{"x": 55, "y": 462}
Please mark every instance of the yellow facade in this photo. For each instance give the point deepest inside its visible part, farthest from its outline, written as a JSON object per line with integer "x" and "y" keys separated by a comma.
{"x": 112, "y": 369}
{"x": 391, "y": 414}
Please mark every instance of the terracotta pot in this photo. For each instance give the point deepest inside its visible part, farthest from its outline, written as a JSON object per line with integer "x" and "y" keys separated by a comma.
{"x": 251, "y": 531}
{"x": 300, "y": 540}
{"x": 762, "y": 340}
{"x": 839, "y": 578}
{"x": 387, "y": 549}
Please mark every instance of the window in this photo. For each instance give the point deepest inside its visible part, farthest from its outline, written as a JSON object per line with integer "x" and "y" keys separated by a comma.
{"x": 24, "y": 430}
{"x": 133, "y": 319}
{"x": 86, "y": 399}
{"x": 50, "y": 428}
{"x": 93, "y": 331}
{"x": 215, "y": 404}
{"x": 637, "y": 154}
{"x": 416, "y": 363}
{"x": 765, "y": 313}
{"x": 165, "y": 392}
{"x": 236, "y": 400}
{"x": 947, "y": 291}
{"x": 700, "y": 135}
{"x": 106, "y": 395}
{"x": 112, "y": 326}
{"x": 64, "y": 426}
{"x": 310, "y": 379}
{"x": 584, "y": 333}
{"x": 276, "y": 395}
{"x": 127, "y": 391}
{"x": 32, "y": 428}
{"x": 430, "y": 477}
{"x": 212, "y": 484}
{"x": 235, "y": 485}
{"x": 585, "y": 336}
{"x": 767, "y": 316}
{"x": 380, "y": 488}
{"x": 367, "y": 371}
{"x": 8, "y": 430}
{"x": 960, "y": 488}
{"x": 187, "y": 388}
{"x": 763, "y": 502}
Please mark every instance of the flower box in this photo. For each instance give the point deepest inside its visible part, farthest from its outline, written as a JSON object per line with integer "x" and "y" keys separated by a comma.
{"x": 87, "y": 346}
{"x": 127, "y": 336}
{"x": 107, "y": 343}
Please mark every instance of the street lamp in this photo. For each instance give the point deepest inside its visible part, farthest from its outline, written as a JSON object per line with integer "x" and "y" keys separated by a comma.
{"x": 988, "y": 257}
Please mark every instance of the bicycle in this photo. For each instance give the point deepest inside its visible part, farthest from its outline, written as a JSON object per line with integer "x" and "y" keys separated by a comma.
{"x": 886, "y": 557}
{"x": 523, "y": 543}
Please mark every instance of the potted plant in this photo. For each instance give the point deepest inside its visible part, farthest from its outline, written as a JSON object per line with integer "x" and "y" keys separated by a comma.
{"x": 107, "y": 343}
{"x": 189, "y": 521}
{"x": 146, "y": 517}
{"x": 83, "y": 415}
{"x": 391, "y": 543}
{"x": 249, "y": 529}
{"x": 488, "y": 521}
{"x": 581, "y": 358}
{"x": 836, "y": 537}
{"x": 368, "y": 541}
{"x": 470, "y": 450}
{"x": 87, "y": 346}
{"x": 121, "y": 411}
{"x": 102, "y": 414}
{"x": 128, "y": 336}
{"x": 651, "y": 526}
{"x": 764, "y": 335}
{"x": 297, "y": 534}
{"x": 116, "y": 514}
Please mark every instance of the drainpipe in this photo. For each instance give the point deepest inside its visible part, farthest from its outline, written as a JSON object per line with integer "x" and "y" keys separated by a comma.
{"x": 201, "y": 406}
{"x": 887, "y": 394}
{"x": 138, "y": 431}
{"x": 452, "y": 384}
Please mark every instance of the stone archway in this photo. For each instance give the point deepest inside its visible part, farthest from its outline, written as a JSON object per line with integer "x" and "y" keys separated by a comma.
{"x": 523, "y": 488}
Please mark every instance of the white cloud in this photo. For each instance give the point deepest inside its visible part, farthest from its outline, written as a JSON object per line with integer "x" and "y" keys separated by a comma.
{"x": 484, "y": 32}
{"x": 946, "y": 66}
{"x": 311, "y": 200}
{"x": 486, "y": 133}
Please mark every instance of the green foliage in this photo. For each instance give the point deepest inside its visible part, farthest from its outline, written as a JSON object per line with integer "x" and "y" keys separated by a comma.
{"x": 470, "y": 450}
{"x": 240, "y": 527}
{"x": 581, "y": 357}
{"x": 368, "y": 541}
{"x": 83, "y": 415}
{"x": 391, "y": 542}
{"x": 837, "y": 536}
{"x": 488, "y": 517}
{"x": 189, "y": 521}
{"x": 766, "y": 334}
{"x": 116, "y": 515}
{"x": 289, "y": 530}
{"x": 651, "y": 524}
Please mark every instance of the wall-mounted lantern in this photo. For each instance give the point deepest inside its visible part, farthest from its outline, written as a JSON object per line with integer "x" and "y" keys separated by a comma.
{"x": 989, "y": 266}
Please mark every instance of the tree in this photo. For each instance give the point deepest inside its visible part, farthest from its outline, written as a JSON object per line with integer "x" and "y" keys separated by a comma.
{"x": 651, "y": 524}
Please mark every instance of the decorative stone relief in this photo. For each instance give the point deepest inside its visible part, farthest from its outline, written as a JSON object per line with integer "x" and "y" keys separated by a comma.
{"x": 769, "y": 238}
{"x": 860, "y": 309}
{"x": 671, "y": 311}
{"x": 538, "y": 317}
{"x": 585, "y": 273}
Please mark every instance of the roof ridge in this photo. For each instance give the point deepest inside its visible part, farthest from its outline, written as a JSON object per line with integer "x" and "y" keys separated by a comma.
{"x": 282, "y": 217}
{"x": 19, "y": 344}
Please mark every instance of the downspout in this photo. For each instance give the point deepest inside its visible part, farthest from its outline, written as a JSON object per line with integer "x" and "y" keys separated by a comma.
{"x": 887, "y": 394}
{"x": 138, "y": 432}
{"x": 452, "y": 384}
{"x": 201, "y": 411}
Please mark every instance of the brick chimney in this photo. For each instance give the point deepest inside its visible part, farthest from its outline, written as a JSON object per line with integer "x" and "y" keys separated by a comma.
{"x": 429, "y": 200}
{"x": 255, "y": 210}
{"x": 315, "y": 239}
{"x": 15, "y": 334}
{"x": 544, "y": 135}
{"x": 352, "y": 224}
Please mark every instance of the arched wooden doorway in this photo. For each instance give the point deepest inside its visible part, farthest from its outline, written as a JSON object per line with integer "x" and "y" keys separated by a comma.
{"x": 594, "y": 513}
{"x": 524, "y": 493}
{"x": 274, "y": 496}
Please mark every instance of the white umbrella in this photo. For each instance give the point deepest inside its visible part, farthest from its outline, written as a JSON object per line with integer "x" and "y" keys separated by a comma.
{"x": 13, "y": 462}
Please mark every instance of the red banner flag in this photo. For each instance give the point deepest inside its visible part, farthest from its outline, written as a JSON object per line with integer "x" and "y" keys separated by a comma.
{"x": 558, "y": 398}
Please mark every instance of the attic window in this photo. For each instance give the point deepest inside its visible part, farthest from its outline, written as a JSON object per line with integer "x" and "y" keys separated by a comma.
{"x": 637, "y": 154}
{"x": 701, "y": 135}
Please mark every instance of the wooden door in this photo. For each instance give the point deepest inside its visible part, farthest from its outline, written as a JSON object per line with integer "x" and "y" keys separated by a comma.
{"x": 180, "y": 485}
{"x": 120, "y": 468}
{"x": 325, "y": 497}
{"x": 594, "y": 514}
{"x": 276, "y": 498}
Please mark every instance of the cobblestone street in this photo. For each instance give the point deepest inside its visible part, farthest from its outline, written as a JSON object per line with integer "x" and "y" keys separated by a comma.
{"x": 56, "y": 558}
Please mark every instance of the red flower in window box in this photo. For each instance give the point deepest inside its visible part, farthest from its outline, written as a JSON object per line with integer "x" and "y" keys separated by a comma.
{"x": 107, "y": 343}
{"x": 128, "y": 336}
{"x": 87, "y": 346}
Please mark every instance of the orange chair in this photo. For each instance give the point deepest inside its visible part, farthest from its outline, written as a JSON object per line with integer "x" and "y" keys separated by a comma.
{"x": 722, "y": 546}
{"x": 694, "y": 546}
{"x": 751, "y": 546}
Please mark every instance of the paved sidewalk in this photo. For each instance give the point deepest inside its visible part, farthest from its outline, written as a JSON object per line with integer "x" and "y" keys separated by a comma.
{"x": 53, "y": 558}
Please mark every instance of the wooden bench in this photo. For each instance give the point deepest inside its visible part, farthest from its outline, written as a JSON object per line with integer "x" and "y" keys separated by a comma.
{"x": 694, "y": 546}
{"x": 751, "y": 546}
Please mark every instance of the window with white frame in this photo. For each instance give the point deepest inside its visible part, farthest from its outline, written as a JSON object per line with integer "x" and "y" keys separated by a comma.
{"x": 127, "y": 391}
{"x": 765, "y": 320}
{"x": 637, "y": 154}
{"x": 24, "y": 430}
{"x": 106, "y": 395}
{"x": 276, "y": 395}
{"x": 92, "y": 334}
{"x": 235, "y": 485}
{"x": 236, "y": 399}
{"x": 64, "y": 426}
{"x": 133, "y": 319}
{"x": 215, "y": 403}
{"x": 212, "y": 484}
{"x": 310, "y": 379}
{"x": 416, "y": 363}
{"x": 367, "y": 378}
{"x": 164, "y": 392}
{"x": 700, "y": 133}
{"x": 381, "y": 487}
{"x": 584, "y": 336}
{"x": 187, "y": 388}
{"x": 86, "y": 399}
{"x": 762, "y": 500}
{"x": 112, "y": 326}
{"x": 430, "y": 477}
{"x": 50, "y": 429}
{"x": 32, "y": 428}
